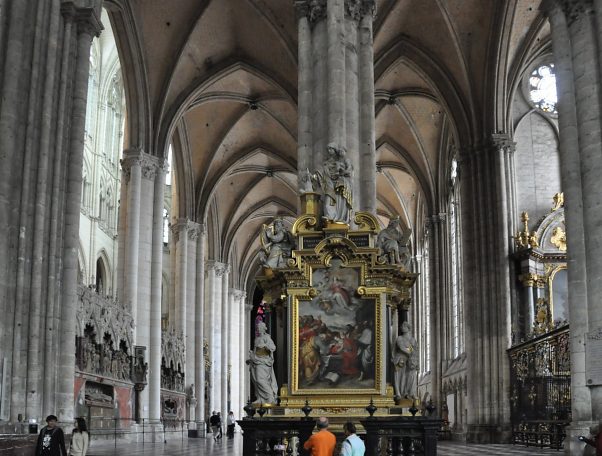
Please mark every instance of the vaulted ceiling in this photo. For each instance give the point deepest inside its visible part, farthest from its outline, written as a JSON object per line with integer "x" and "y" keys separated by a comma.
{"x": 221, "y": 86}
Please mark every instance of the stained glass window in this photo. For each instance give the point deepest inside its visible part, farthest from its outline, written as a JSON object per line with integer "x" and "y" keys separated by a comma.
{"x": 542, "y": 88}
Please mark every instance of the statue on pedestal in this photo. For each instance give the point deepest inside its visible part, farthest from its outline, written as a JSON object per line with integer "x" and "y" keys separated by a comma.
{"x": 306, "y": 184}
{"x": 261, "y": 362}
{"x": 405, "y": 363}
{"x": 394, "y": 243}
{"x": 335, "y": 179}
{"x": 277, "y": 245}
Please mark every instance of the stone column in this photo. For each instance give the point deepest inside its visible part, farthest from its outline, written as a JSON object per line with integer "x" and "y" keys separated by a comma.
{"x": 225, "y": 336}
{"x": 132, "y": 173}
{"x": 242, "y": 366}
{"x": 180, "y": 233}
{"x": 249, "y": 332}
{"x": 569, "y": 28}
{"x": 194, "y": 230}
{"x": 367, "y": 147}
{"x": 215, "y": 272}
{"x": 154, "y": 352}
{"x": 88, "y": 26}
{"x": 237, "y": 354}
{"x": 438, "y": 303}
{"x": 336, "y": 88}
{"x": 585, "y": 42}
{"x": 304, "y": 145}
{"x": 200, "y": 316}
{"x": 149, "y": 165}
{"x": 529, "y": 281}
{"x": 486, "y": 290}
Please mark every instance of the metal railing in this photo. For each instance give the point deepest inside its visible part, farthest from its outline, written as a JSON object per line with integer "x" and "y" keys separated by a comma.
{"x": 142, "y": 431}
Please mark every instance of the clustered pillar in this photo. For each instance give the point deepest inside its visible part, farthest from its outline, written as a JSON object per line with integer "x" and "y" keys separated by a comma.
{"x": 486, "y": 243}
{"x": 576, "y": 41}
{"x": 42, "y": 118}
{"x": 336, "y": 88}
{"x": 140, "y": 280}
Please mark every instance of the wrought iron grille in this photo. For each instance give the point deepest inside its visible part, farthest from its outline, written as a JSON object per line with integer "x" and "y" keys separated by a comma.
{"x": 540, "y": 396}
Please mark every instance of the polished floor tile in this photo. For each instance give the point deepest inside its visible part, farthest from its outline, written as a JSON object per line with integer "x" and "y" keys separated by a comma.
{"x": 208, "y": 447}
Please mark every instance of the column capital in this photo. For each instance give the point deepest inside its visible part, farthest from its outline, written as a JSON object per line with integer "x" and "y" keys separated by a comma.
{"x": 575, "y": 9}
{"x": 194, "y": 230}
{"x": 210, "y": 265}
{"x": 87, "y": 19}
{"x": 178, "y": 227}
{"x": 356, "y": 9}
{"x": 149, "y": 164}
{"x": 248, "y": 307}
{"x": 88, "y": 22}
{"x": 237, "y": 294}
{"x": 502, "y": 142}
{"x": 221, "y": 269}
{"x": 313, "y": 10}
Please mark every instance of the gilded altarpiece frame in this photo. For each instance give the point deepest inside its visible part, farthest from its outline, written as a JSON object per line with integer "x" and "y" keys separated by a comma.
{"x": 336, "y": 286}
{"x": 338, "y": 335}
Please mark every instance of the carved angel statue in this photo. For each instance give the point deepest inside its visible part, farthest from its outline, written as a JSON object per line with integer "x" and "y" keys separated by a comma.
{"x": 277, "y": 243}
{"x": 394, "y": 243}
{"x": 335, "y": 180}
{"x": 306, "y": 182}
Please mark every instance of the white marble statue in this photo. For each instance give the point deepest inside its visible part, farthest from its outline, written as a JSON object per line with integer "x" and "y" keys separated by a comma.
{"x": 261, "y": 362}
{"x": 405, "y": 363}
{"x": 335, "y": 180}
{"x": 394, "y": 243}
{"x": 277, "y": 245}
{"x": 306, "y": 182}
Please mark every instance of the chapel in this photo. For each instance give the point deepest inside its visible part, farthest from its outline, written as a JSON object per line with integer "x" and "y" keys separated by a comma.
{"x": 221, "y": 205}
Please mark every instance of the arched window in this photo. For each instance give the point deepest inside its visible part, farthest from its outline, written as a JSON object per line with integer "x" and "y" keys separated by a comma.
{"x": 101, "y": 276}
{"x": 425, "y": 309}
{"x": 457, "y": 313}
{"x": 92, "y": 104}
{"x": 542, "y": 88}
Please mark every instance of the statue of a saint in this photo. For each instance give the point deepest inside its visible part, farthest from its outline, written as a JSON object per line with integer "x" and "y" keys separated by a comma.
{"x": 405, "y": 363}
{"x": 335, "y": 179}
{"x": 394, "y": 243}
{"x": 261, "y": 362}
{"x": 277, "y": 245}
{"x": 306, "y": 182}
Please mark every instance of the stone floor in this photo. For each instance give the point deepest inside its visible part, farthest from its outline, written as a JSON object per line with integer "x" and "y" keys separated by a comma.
{"x": 202, "y": 447}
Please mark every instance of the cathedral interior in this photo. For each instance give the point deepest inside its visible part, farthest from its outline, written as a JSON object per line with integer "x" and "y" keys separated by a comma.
{"x": 168, "y": 205}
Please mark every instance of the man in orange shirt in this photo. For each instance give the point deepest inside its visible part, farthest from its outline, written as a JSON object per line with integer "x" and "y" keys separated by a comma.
{"x": 321, "y": 443}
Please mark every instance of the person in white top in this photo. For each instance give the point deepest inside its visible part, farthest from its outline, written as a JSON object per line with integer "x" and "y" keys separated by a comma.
{"x": 80, "y": 439}
{"x": 352, "y": 445}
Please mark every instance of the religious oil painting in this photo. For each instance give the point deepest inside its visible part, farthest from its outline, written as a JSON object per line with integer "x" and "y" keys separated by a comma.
{"x": 336, "y": 334}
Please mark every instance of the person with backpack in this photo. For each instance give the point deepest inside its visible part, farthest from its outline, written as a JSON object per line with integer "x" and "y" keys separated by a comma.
{"x": 352, "y": 445}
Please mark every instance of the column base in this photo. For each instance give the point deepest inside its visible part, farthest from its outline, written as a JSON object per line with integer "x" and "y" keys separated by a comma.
{"x": 489, "y": 433}
{"x": 572, "y": 445}
{"x": 149, "y": 432}
{"x": 201, "y": 429}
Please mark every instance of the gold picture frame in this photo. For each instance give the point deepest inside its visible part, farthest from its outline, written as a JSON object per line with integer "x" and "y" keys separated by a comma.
{"x": 331, "y": 323}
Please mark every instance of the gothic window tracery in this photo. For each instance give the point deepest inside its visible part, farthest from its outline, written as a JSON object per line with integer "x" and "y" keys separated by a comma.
{"x": 456, "y": 270}
{"x": 542, "y": 88}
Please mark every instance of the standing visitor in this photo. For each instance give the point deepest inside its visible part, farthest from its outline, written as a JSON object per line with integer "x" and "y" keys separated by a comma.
{"x": 321, "y": 443}
{"x": 51, "y": 441}
{"x": 215, "y": 424}
{"x": 352, "y": 445}
{"x": 80, "y": 439}
{"x": 231, "y": 422}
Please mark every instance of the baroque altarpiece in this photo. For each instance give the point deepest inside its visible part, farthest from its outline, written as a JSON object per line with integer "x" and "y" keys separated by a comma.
{"x": 341, "y": 303}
